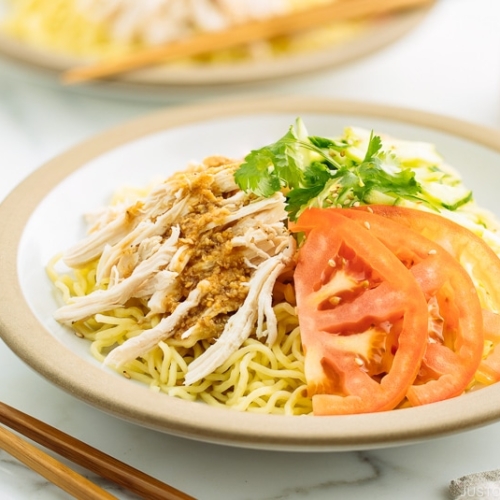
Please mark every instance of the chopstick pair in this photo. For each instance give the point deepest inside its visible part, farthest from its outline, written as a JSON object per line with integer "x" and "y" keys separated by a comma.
{"x": 313, "y": 17}
{"x": 78, "y": 452}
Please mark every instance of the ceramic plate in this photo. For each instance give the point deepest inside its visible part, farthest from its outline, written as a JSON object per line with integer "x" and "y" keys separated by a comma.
{"x": 43, "y": 215}
{"x": 371, "y": 37}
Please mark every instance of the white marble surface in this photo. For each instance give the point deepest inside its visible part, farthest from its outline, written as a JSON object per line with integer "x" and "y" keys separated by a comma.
{"x": 450, "y": 64}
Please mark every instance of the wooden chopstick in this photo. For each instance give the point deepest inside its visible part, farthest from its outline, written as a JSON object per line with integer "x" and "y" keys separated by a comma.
{"x": 78, "y": 452}
{"x": 294, "y": 22}
{"x": 51, "y": 469}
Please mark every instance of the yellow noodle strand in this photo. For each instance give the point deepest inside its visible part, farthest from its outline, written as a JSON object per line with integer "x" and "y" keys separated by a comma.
{"x": 256, "y": 378}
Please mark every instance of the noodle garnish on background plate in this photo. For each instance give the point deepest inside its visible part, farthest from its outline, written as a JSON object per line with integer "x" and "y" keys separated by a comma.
{"x": 97, "y": 29}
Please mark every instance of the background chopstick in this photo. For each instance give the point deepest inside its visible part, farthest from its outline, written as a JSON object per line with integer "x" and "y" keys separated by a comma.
{"x": 340, "y": 10}
{"x": 85, "y": 455}
{"x": 53, "y": 470}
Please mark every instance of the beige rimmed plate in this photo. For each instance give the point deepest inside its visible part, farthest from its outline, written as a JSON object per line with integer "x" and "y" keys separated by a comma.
{"x": 369, "y": 38}
{"x": 43, "y": 215}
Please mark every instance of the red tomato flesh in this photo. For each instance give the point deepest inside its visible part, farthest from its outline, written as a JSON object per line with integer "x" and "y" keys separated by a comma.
{"x": 363, "y": 317}
{"x": 479, "y": 260}
{"x": 455, "y": 339}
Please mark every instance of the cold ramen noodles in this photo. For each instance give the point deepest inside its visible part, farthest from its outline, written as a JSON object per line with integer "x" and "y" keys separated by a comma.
{"x": 96, "y": 29}
{"x": 319, "y": 275}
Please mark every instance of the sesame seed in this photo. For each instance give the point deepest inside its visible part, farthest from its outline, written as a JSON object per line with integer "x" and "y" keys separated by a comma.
{"x": 432, "y": 252}
{"x": 359, "y": 361}
{"x": 334, "y": 300}
{"x": 355, "y": 204}
{"x": 370, "y": 209}
{"x": 332, "y": 263}
{"x": 367, "y": 224}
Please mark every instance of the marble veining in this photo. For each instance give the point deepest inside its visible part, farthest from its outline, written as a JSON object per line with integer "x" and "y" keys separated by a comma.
{"x": 16, "y": 479}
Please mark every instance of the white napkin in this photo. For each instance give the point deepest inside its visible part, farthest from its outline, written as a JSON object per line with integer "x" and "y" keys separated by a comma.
{"x": 482, "y": 485}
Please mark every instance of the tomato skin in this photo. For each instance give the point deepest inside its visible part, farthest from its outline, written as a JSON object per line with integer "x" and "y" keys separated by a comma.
{"x": 335, "y": 338}
{"x": 479, "y": 260}
{"x": 448, "y": 365}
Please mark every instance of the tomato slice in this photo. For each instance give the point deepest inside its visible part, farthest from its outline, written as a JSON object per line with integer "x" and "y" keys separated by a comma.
{"x": 363, "y": 317}
{"x": 455, "y": 340}
{"x": 478, "y": 259}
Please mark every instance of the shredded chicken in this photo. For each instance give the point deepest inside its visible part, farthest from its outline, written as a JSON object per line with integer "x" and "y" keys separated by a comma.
{"x": 161, "y": 21}
{"x": 240, "y": 325}
{"x": 197, "y": 253}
